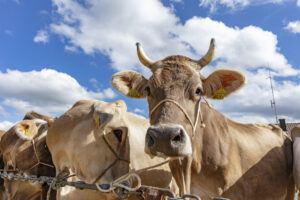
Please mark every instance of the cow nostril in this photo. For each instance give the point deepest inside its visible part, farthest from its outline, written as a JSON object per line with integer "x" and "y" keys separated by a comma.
{"x": 150, "y": 141}
{"x": 177, "y": 138}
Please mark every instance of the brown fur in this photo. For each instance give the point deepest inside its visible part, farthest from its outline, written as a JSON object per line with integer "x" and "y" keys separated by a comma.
{"x": 295, "y": 134}
{"x": 230, "y": 159}
{"x": 18, "y": 155}
{"x": 3, "y": 195}
{"x": 76, "y": 143}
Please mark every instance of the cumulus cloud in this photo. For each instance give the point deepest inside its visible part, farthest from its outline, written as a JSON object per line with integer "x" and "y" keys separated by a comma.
{"x": 248, "y": 48}
{"x": 5, "y": 125}
{"x": 41, "y": 36}
{"x": 294, "y": 26}
{"x": 45, "y": 91}
{"x": 298, "y": 3}
{"x": 137, "y": 110}
{"x": 252, "y": 102}
{"x": 113, "y": 27}
{"x": 234, "y": 4}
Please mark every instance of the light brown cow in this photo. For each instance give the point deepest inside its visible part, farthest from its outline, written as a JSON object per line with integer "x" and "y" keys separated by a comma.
{"x": 79, "y": 141}
{"x": 295, "y": 134}
{"x": 222, "y": 157}
{"x": 3, "y": 195}
{"x": 18, "y": 146}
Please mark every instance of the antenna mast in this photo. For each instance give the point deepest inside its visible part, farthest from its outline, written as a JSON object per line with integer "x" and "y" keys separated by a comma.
{"x": 273, "y": 105}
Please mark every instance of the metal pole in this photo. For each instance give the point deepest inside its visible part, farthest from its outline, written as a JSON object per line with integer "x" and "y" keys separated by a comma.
{"x": 273, "y": 101}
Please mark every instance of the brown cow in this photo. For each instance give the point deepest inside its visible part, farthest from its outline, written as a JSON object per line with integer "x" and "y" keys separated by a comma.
{"x": 89, "y": 137}
{"x": 222, "y": 157}
{"x": 24, "y": 151}
{"x": 295, "y": 134}
{"x": 3, "y": 195}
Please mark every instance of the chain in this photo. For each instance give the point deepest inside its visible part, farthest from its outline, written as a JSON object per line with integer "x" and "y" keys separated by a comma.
{"x": 143, "y": 192}
{"x": 24, "y": 177}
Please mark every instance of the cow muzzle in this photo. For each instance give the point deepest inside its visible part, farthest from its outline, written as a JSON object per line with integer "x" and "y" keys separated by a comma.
{"x": 167, "y": 141}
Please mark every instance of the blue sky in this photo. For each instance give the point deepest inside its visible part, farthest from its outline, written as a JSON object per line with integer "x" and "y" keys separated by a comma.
{"x": 53, "y": 53}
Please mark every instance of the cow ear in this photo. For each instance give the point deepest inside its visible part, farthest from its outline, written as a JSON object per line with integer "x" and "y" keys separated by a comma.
{"x": 26, "y": 129}
{"x": 222, "y": 83}
{"x": 130, "y": 83}
{"x": 101, "y": 119}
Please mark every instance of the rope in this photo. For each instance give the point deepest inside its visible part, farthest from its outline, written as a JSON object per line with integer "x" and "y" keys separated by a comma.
{"x": 57, "y": 182}
{"x": 198, "y": 112}
{"x": 153, "y": 166}
{"x": 186, "y": 176}
{"x": 113, "y": 163}
{"x": 37, "y": 158}
{"x": 118, "y": 183}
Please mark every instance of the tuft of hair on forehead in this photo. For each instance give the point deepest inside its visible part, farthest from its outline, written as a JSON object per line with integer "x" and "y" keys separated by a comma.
{"x": 173, "y": 70}
{"x": 177, "y": 59}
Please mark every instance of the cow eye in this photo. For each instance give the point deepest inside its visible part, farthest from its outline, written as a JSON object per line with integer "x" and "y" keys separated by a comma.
{"x": 118, "y": 133}
{"x": 148, "y": 90}
{"x": 199, "y": 91}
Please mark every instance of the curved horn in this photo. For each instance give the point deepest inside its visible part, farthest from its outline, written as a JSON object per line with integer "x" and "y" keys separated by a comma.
{"x": 209, "y": 55}
{"x": 143, "y": 58}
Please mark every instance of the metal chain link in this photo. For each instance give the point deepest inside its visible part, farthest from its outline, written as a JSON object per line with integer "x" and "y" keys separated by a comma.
{"x": 144, "y": 192}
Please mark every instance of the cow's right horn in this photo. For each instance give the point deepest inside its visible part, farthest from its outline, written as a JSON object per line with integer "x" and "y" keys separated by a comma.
{"x": 207, "y": 58}
{"x": 143, "y": 58}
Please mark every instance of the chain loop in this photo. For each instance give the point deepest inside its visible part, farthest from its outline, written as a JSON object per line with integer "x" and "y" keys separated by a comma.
{"x": 61, "y": 181}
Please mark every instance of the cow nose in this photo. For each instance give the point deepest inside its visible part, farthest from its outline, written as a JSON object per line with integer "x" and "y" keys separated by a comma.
{"x": 167, "y": 140}
{"x": 151, "y": 137}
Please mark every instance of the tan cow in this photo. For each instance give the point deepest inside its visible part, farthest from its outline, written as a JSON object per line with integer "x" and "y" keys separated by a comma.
{"x": 79, "y": 141}
{"x": 24, "y": 151}
{"x": 3, "y": 195}
{"x": 222, "y": 157}
{"x": 295, "y": 134}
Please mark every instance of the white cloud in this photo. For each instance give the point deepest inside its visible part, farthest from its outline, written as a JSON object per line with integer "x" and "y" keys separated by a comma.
{"x": 41, "y": 36}
{"x": 298, "y": 3}
{"x": 234, "y": 4}
{"x": 244, "y": 49}
{"x": 71, "y": 48}
{"x": 137, "y": 110}
{"x": 44, "y": 12}
{"x": 252, "y": 103}
{"x": 5, "y": 125}
{"x": 45, "y": 91}
{"x": 294, "y": 26}
{"x": 113, "y": 27}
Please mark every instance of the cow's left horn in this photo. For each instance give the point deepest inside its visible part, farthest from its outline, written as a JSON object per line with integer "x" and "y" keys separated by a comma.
{"x": 143, "y": 58}
{"x": 209, "y": 55}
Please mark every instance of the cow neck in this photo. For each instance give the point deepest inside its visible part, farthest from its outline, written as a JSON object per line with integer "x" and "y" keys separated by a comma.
{"x": 198, "y": 112}
{"x": 118, "y": 158}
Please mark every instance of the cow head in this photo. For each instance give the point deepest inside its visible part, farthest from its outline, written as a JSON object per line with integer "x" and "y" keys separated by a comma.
{"x": 18, "y": 154}
{"x": 111, "y": 131}
{"x": 173, "y": 92}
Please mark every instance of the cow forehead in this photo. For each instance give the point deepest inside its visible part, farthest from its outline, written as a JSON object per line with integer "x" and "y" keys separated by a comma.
{"x": 111, "y": 108}
{"x": 170, "y": 72}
